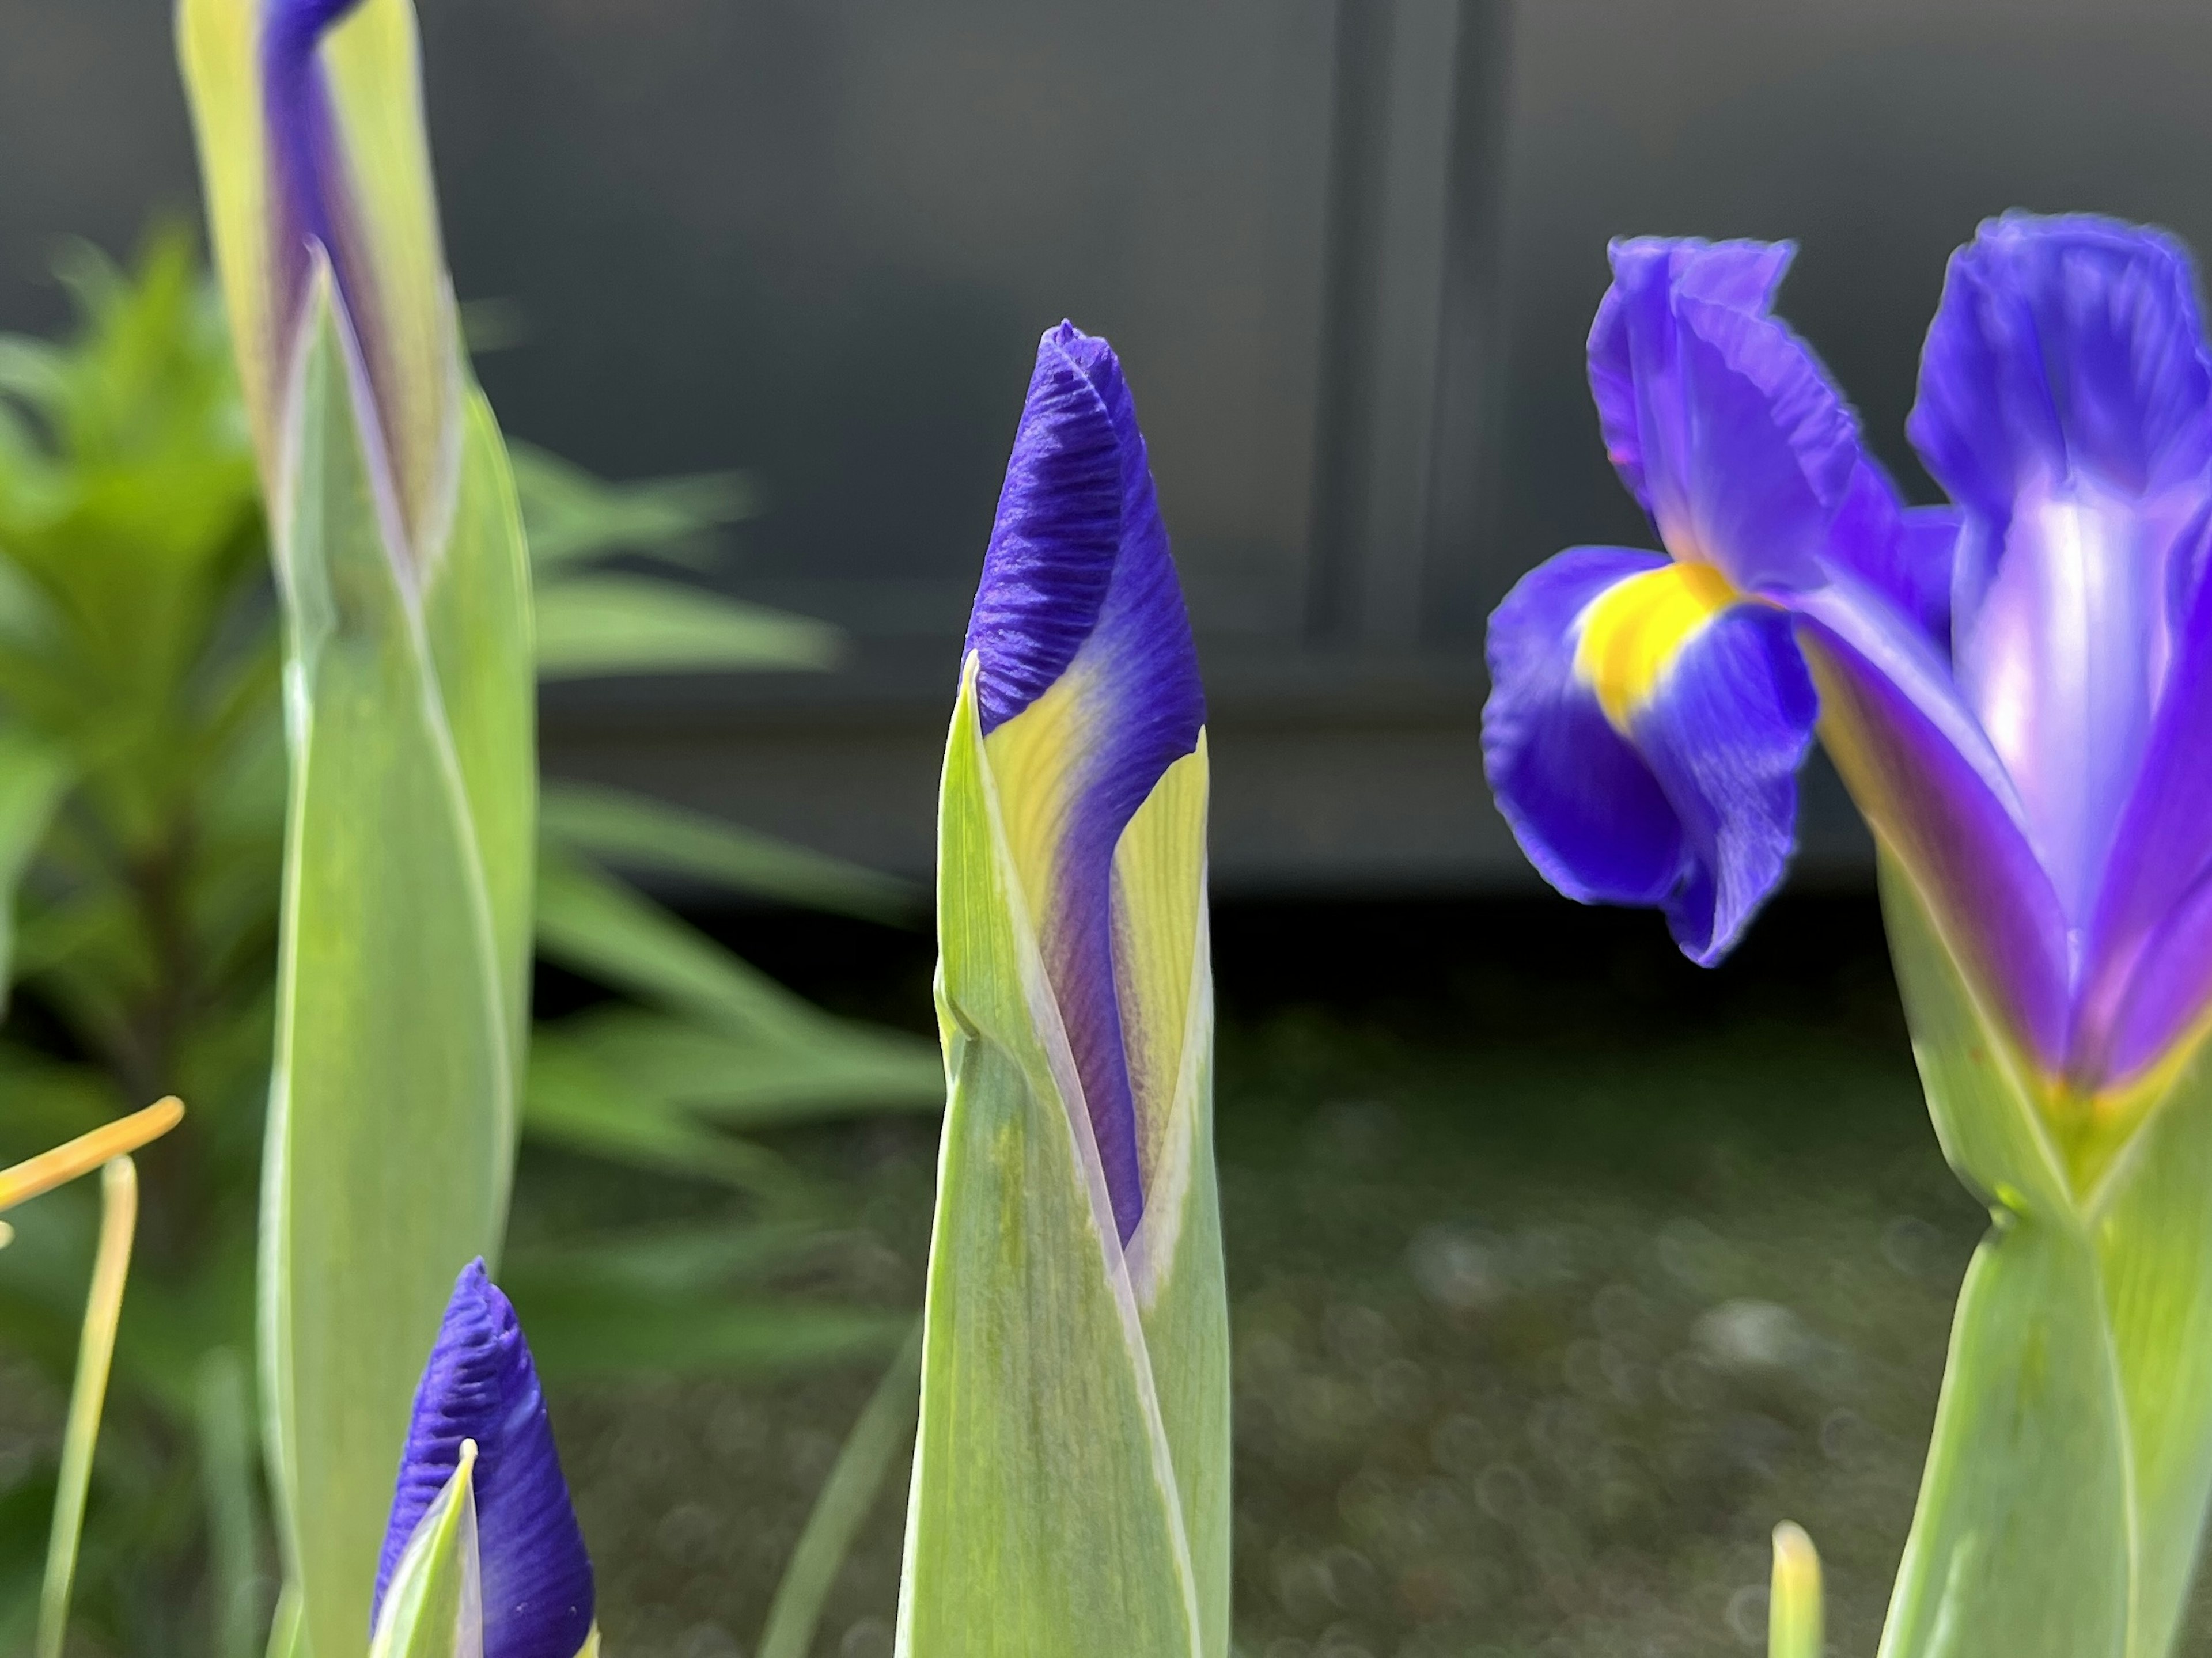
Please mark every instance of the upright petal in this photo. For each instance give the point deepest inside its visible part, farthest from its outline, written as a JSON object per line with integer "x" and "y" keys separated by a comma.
{"x": 1720, "y": 419}
{"x": 480, "y": 1385}
{"x": 1933, "y": 789}
{"x": 1642, "y": 737}
{"x": 1088, "y": 686}
{"x": 2066, "y": 404}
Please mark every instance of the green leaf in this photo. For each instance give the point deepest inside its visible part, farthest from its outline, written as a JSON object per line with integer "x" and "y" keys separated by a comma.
{"x": 434, "y": 1605}
{"x": 755, "y": 1080}
{"x": 595, "y": 625}
{"x": 573, "y": 517}
{"x": 846, "y": 1497}
{"x": 604, "y": 930}
{"x": 2066, "y": 1485}
{"x": 637, "y": 832}
{"x": 581, "y": 1331}
{"x": 572, "y": 1099}
{"x": 392, "y": 1119}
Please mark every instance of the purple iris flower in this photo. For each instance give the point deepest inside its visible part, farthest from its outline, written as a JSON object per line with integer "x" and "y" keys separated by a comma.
{"x": 1078, "y": 622}
{"x": 480, "y": 1384}
{"x": 2014, "y": 689}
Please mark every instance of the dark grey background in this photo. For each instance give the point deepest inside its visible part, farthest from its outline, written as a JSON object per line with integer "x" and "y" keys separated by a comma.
{"x": 1348, "y": 249}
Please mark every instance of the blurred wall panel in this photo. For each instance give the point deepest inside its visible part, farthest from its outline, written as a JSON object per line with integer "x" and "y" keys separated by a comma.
{"x": 1349, "y": 248}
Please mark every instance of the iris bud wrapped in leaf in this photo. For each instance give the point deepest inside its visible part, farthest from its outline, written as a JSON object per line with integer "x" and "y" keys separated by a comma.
{"x": 481, "y": 1556}
{"x": 2019, "y": 693}
{"x": 410, "y": 712}
{"x": 1071, "y": 1485}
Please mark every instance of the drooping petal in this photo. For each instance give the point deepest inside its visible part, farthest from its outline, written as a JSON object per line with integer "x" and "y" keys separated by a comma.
{"x": 1088, "y": 683}
{"x": 1933, "y": 789}
{"x": 1642, "y": 737}
{"x": 1721, "y": 420}
{"x": 310, "y": 124}
{"x": 1580, "y": 800}
{"x": 480, "y": 1385}
{"x": 2066, "y": 404}
{"x": 1726, "y": 732}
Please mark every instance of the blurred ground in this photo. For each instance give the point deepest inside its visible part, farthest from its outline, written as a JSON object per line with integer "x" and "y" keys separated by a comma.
{"x": 1561, "y": 1270}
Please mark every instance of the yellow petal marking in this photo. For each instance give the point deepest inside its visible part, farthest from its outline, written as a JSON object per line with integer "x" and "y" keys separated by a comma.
{"x": 1037, "y": 760}
{"x": 80, "y": 1155}
{"x": 1631, "y": 635}
{"x": 1159, "y": 888}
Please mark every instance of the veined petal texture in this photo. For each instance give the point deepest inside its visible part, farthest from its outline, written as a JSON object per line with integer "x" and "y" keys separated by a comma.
{"x": 1088, "y": 691}
{"x": 480, "y": 1386}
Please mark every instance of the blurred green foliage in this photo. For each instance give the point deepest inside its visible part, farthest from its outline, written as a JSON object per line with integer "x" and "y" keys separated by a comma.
{"x": 142, "y": 808}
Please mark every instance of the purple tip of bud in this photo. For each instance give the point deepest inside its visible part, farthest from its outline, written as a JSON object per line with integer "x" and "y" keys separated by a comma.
{"x": 480, "y": 1384}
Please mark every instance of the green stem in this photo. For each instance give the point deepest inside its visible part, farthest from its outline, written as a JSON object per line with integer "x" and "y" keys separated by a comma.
{"x": 111, "y": 1265}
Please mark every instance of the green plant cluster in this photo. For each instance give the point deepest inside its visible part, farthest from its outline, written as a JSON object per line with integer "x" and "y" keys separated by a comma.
{"x": 141, "y": 820}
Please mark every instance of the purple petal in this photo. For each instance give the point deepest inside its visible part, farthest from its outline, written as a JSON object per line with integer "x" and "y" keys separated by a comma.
{"x": 1905, "y": 553}
{"x": 1726, "y": 734}
{"x": 1720, "y": 420}
{"x": 1936, "y": 795}
{"x": 1078, "y": 574}
{"x": 1694, "y": 809}
{"x": 480, "y": 1384}
{"x": 306, "y": 162}
{"x": 2066, "y": 404}
{"x": 1582, "y": 803}
{"x": 2148, "y": 971}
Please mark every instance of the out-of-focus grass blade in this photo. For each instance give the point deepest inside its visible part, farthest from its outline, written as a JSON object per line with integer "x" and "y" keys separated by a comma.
{"x": 433, "y": 1604}
{"x": 856, "y": 1481}
{"x": 1794, "y": 1617}
{"x": 589, "y": 1330}
{"x": 741, "y": 1079}
{"x": 670, "y": 1263}
{"x": 573, "y": 517}
{"x": 572, "y": 1099}
{"x": 228, "y": 1474}
{"x": 595, "y": 925}
{"x": 594, "y": 625}
{"x": 110, "y": 1268}
{"x": 636, "y": 832}
{"x": 393, "y": 1117}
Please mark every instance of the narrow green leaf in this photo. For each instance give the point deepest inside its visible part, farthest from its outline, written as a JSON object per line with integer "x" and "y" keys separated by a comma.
{"x": 605, "y": 931}
{"x": 632, "y": 624}
{"x": 573, "y": 517}
{"x": 433, "y": 1604}
{"x": 745, "y": 1079}
{"x": 847, "y": 1495}
{"x": 393, "y": 1116}
{"x": 581, "y": 1331}
{"x": 572, "y": 1099}
{"x": 636, "y": 832}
